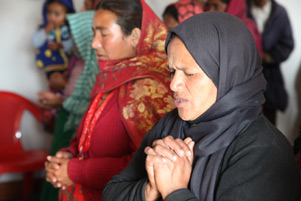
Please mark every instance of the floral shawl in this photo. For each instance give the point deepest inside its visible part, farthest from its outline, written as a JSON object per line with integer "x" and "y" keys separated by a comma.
{"x": 142, "y": 79}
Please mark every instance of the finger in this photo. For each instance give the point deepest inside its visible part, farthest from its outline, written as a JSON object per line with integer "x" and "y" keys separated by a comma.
{"x": 165, "y": 152}
{"x": 54, "y": 159}
{"x": 173, "y": 145}
{"x": 51, "y": 178}
{"x": 149, "y": 166}
{"x": 67, "y": 155}
{"x": 58, "y": 185}
{"x": 185, "y": 147}
{"x": 159, "y": 142}
{"x": 150, "y": 170}
{"x": 54, "y": 166}
{"x": 187, "y": 140}
{"x": 191, "y": 146}
{"x": 59, "y": 154}
{"x": 149, "y": 151}
{"x": 50, "y": 169}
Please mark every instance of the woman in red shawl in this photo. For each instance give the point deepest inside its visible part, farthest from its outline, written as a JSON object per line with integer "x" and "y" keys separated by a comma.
{"x": 130, "y": 95}
{"x": 237, "y": 8}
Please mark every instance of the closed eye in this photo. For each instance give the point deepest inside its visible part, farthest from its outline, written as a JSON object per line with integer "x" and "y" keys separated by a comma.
{"x": 189, "y": 75}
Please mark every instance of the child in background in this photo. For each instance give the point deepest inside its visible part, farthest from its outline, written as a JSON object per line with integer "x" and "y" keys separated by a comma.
{"x": 54, "y": 44}
{"x": 53, "y": 41}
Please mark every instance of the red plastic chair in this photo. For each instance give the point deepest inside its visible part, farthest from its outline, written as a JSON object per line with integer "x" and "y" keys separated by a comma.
{"x": 13, "y": 158}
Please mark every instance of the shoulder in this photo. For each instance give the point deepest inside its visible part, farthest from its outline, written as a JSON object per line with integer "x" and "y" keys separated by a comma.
{"x": 146, "y": 89}
{"x": 261, "y": 134}
{"x": 147, "y": 95}
{"x": 279, "y": 9}
{"x": 258, "y": 161}
{"x": 261, "y": 143}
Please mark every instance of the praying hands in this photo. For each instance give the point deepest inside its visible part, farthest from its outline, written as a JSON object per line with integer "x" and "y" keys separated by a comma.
{"x": 56, "y": 170}
{"x": 169, "y": 165}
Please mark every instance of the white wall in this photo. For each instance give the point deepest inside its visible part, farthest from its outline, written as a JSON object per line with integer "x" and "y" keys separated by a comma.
{"x": 18, "y": 73}
{"x": 288, "y": 121}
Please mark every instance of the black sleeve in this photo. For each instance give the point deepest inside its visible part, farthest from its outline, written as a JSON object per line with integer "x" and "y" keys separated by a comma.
{"x": 181, "y": 195}
{"x": 281, "y": 51}
{"x": 262, "y": 172}
{"x": 130, "y": 183}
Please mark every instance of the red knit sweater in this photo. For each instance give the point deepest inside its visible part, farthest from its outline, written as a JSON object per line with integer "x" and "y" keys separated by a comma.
{"x": 110, "y": 151}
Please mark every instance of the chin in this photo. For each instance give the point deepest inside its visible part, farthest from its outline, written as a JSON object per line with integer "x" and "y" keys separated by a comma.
{"x": 184, "y": 116}
{"x": 187, "y": 116}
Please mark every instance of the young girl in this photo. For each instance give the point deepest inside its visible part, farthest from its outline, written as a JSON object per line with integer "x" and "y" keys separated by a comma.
{"x": 53, "y": 41}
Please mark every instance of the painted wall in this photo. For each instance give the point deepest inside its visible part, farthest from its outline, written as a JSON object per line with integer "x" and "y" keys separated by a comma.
{"x": 18, "y": 73}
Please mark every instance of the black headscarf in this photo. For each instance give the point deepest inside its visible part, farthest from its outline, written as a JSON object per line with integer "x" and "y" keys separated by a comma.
{"x": 224, "y": 48}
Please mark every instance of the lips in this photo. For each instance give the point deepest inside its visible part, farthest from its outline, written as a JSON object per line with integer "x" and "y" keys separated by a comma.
{"x": 179, "y": 101}
{"x": 99, "y": 56}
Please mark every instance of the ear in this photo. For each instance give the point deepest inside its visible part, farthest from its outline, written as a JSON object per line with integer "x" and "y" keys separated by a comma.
{"x": 135, "y": 36}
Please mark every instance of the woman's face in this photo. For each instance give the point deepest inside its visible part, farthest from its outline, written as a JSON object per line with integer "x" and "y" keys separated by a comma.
{"x": 109, "y": 41}
{"x": 56, "y": 14}
{"x": 260, "y": 3}
{"x": 169, "y": 21}
{"x": 194, "y": 92}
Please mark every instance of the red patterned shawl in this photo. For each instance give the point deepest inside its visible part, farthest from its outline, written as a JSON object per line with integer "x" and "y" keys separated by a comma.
{"x": 142, "y": 81}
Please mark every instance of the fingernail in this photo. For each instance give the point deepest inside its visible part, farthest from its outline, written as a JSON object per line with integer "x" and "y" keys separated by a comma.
{"x": 174, "y": 158}
{"x": 181, "y": 153}
{"x": 189, "y": 153}
{"x": 164, "y": 160}
{"x": 49, "y": 158}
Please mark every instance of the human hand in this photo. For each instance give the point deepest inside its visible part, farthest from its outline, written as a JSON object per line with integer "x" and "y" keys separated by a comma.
{"x": 151, "y": 191}
{"x": 267, "y": 58}
{"x": 54, "y": 46}
{"x": 59, "y": 171}
{"x": 49, "y": 100}
{"x": 58, "y": 81}
{"x": 173, "y": 170}
{"x": 51, "y": 167}
{"x": 63, "y": 154}
{"x": 49, "y": 27}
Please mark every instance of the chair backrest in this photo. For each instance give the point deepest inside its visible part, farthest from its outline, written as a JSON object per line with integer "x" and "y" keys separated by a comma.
{"x": 12, "y": 107}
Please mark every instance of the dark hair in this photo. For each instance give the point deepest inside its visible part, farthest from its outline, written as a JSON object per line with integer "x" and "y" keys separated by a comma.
{"x": 225, "y": 1}
{"x": 69, "y": 10}
{"x": 129, "y": 13}
{"x": 171, "y": 10}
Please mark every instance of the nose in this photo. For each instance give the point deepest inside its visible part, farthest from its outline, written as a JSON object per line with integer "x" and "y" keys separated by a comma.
{"x": 96, "y": 42}
{"x": 177, "y": 82}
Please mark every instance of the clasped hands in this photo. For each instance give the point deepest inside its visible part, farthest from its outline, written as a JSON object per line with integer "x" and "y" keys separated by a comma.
{"x": 57, "y": 170}
{"x": 168, "y": 165}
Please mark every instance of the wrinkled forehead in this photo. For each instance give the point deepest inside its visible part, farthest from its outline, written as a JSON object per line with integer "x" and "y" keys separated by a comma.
{"x": 221, "y": 45}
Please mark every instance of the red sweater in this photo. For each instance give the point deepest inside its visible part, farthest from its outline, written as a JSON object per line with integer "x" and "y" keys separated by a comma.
{"x": 110, "y": 151}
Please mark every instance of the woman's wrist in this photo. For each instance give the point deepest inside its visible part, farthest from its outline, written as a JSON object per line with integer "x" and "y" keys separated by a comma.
{"x": 151, "y": 194}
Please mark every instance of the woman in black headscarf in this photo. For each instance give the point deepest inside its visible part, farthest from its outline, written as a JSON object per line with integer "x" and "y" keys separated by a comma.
{"x": 216, "y": 145}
